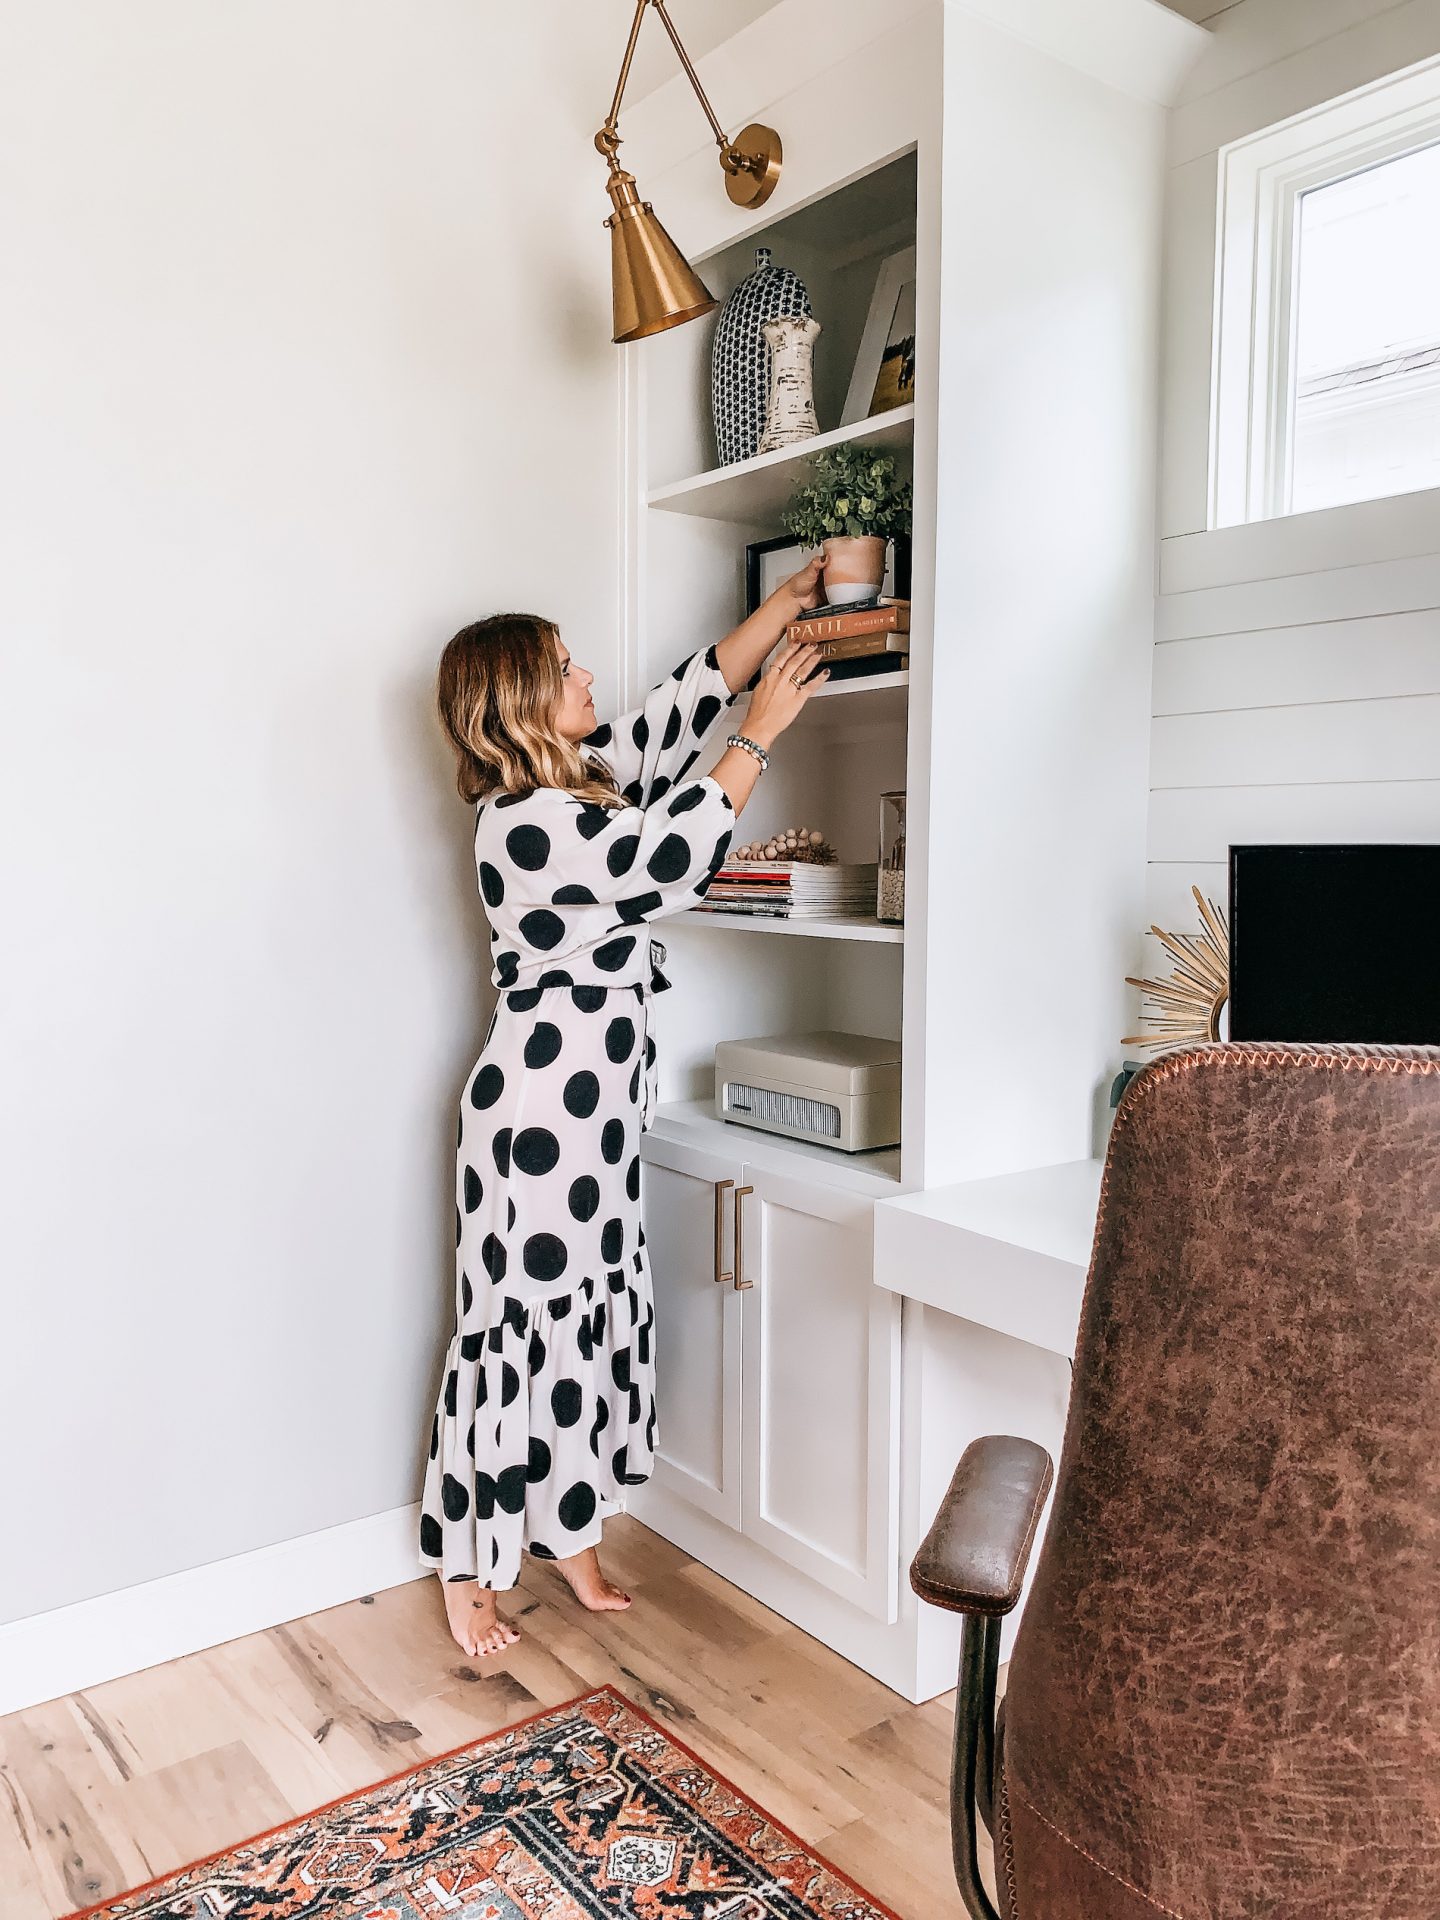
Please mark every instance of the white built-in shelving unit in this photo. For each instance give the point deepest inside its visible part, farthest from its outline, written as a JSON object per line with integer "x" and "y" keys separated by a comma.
{"x": 873, "y": 687}
{"x": 755, "y": 489}
{"x": 812, "y": 1406}
{"x": 695, "y": 1123}
{"x": 851, "y": 744}
{"x": 841, "y": 927}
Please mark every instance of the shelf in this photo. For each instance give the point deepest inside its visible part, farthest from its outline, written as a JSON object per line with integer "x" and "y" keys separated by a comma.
{"x": 881, "y": 699}
{"x": 843, "y": 928}
{"x": 755, "y": 491}
{"x": 1010, "y": 1253}
{"x": 870, "y": 683}
{"x": 695, "y": 1122}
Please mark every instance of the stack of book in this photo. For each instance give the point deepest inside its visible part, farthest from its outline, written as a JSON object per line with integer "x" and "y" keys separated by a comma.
{"x": 792, "y": 890}
{"x": 871, "y": 637}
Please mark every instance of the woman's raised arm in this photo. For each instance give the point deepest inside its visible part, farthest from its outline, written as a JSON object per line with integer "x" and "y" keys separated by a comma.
{"x": 741, "y": 653}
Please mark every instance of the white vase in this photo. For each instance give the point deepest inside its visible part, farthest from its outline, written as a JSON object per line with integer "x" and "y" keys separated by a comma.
{"x": 791, "y": 412}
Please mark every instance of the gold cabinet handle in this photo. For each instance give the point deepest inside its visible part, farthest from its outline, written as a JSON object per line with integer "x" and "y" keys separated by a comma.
{"x": 721, "y": 1188}
{"x": 742, "y": 1285}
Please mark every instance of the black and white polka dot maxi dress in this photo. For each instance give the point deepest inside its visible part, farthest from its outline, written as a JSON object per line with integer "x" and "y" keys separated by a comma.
{"x": 547, "y": 1408}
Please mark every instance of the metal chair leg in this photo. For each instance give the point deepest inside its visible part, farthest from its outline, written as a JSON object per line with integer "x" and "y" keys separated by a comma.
{"x": 972, "y": 1784}
{"x": 989, "y": 1680}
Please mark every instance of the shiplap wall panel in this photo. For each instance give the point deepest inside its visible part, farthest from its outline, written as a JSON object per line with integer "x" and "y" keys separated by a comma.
{"x": 1260, "y": 36}
{"x": 1342, "y": 740}
{"x": 1382, "y": 38}
{"x": 1341, "y": 593}
{"x": 1297, "y": 666}
{"x": 1168, "y": 902}
{"x": 1201, "y": 824}
{"x": 1362, "y": 659}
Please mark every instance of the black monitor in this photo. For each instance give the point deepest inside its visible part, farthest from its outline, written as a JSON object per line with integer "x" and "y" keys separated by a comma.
{"x": 1335, "y": 943}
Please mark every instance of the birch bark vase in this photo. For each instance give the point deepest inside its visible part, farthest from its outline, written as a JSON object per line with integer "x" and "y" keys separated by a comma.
{"x": 791, "y": 413}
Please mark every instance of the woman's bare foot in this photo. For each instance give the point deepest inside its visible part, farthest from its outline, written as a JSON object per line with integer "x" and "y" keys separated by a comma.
{"x": 478, "y": 1629}
{"x": 583, "y": 1576}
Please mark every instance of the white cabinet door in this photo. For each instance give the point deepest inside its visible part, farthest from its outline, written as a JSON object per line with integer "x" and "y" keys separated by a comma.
{"x": 821, "y": 1384}
{"x": 689, "y": 1233}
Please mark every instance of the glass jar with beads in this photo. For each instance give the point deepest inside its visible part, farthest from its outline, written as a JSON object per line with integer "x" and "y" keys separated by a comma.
{"x": 890, "y": 892}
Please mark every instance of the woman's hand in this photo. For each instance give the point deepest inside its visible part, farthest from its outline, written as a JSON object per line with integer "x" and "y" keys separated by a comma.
{"x": 739, "y": 654}
{"x": 805, "y": 589}
{"x": 782, "y": 692}
{"x": 773, "y": 705}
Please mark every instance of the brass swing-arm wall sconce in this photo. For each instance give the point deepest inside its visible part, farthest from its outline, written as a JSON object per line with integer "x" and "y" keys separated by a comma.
{"x": 653, "y": 284}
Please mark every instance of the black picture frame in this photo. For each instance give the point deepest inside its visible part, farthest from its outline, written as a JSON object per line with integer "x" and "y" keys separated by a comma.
{"x": 756, "y": 551}
{"x": 901, "y": 545}
{"x": 754, "y": 568}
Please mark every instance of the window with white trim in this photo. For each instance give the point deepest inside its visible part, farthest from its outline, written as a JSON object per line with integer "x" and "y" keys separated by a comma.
{"x": 1327, "y": 344}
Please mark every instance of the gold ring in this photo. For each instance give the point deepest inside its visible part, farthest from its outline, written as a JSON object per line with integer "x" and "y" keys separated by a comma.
{"x": 796, "y": 681}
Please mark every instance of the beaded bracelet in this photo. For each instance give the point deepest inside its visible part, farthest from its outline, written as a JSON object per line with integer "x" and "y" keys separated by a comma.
{"x": 751, "y": 747}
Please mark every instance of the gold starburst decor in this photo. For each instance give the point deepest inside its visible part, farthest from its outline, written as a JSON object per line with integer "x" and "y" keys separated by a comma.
{"x": 1187, "y": 1006}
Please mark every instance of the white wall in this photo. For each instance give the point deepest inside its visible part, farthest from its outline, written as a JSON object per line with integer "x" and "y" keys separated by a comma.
{"x": 702, "y": 24}
{"x": 1044, "y": 593}
{"x": 1297, "y": 666}
{"x": 306, "y": 362}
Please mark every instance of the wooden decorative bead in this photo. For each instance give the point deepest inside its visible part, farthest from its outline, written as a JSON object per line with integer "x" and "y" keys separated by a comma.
{"x": 790, "y": 843}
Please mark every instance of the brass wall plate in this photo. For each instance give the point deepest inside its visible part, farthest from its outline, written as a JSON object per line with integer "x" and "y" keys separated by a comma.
{"x": 753, "y": 189}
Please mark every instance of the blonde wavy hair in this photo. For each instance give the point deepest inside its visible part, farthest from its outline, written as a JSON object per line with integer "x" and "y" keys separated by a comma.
{"x": 499, "y": 692}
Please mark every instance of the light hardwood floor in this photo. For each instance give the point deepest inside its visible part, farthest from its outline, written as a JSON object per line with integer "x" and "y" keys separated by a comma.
{"x": 105, "y": 1789}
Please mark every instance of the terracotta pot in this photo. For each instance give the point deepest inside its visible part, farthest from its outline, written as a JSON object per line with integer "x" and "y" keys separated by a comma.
{"x": 854, "y": 568}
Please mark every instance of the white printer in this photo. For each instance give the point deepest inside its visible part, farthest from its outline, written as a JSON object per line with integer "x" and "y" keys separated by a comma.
{"x": 835, "y": 1089}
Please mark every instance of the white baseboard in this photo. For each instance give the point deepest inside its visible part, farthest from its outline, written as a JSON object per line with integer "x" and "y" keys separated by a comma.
{"x": 54, "y": 1653}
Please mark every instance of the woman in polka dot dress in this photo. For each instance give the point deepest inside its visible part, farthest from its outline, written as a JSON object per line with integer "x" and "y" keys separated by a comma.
{"x": 584, "y": 837}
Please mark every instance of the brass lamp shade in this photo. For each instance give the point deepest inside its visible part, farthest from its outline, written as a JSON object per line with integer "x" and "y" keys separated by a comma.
{"x": 652, "y": 284}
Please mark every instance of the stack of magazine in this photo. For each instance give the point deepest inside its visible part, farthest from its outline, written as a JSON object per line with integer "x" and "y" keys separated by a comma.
{"x": 792, "y": 890}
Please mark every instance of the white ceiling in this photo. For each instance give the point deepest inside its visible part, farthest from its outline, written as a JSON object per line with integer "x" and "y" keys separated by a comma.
{"x": 703, "y": 24}
{"x": 1199, "y": 9}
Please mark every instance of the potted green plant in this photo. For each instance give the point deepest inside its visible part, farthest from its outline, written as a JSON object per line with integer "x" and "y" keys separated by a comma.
{"x": 853, "y": 504}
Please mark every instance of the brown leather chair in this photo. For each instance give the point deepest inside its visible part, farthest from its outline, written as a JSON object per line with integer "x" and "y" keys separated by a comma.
{"x": 1224, "y": 1701}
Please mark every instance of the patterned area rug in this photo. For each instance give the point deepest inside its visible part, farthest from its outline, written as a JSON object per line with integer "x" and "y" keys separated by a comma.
{"x": 586, "y": 1811}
